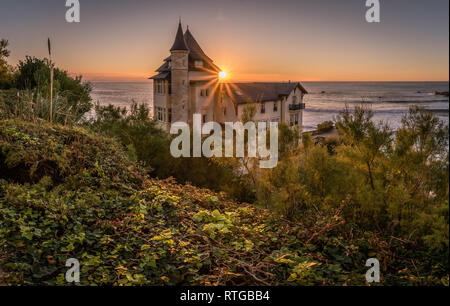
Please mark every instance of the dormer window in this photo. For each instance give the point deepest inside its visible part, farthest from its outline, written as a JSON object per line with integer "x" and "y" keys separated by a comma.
{"x": 198, "y": 64}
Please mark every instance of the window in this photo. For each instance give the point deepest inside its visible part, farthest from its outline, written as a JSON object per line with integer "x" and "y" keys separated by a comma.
{"x": 294, "y": 100}
{"x": 159, "y": 87}
{"x": 198, "y": 64}
{"x": 170, "y": 115}
{"x": 296, "y": 119}
{"x": 205, "y": 117}
{"x": 292, "y": 120}
{"x": 263, "y": 108}
{"x": 204, "y": 93}
{"x": 224, "y": 111}
{"x": 160, "y": 114}
{"x": 275, "y": 106}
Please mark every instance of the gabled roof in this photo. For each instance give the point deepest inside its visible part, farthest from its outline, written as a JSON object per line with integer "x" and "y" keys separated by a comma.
{"x": 195, "y": 51}
{"x": 164, "y": 68}
{"x": 242, "y": 93}
{"x": 161, "y": 76}
{"x": 179, "y": 44}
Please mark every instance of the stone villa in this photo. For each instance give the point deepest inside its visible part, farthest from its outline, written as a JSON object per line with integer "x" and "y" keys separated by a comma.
{"x": 190, "y": 83}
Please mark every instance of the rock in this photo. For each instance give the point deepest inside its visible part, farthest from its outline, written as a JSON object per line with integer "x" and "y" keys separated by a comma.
{"x": 443, "y": 93}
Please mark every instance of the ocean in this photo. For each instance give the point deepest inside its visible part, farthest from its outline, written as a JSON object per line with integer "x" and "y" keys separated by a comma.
{"x": 388, "y": 100}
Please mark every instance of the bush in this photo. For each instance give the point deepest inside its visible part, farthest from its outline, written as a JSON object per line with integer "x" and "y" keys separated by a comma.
{"x": 148, "y": 144}
{"x": 78, "y": 196}
{"x": 391, "y": 187}
{"x": 325, "y": 127}
{"x": 71, "y": 95}
{"x": 6, "y": 75}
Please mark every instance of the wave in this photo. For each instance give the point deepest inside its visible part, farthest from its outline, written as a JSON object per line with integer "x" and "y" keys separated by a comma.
{"x": 415, "y": 101}
{"x": 376, "y": 111}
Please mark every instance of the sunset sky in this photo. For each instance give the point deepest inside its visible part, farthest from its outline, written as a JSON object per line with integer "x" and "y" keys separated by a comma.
{"x": 253, "y": 40}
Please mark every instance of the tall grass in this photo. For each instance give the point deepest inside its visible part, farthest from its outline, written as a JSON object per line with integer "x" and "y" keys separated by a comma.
{"x": 31, "y": 106}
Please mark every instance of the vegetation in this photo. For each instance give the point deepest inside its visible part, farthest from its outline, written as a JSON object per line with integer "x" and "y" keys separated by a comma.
{"x": 6, "y": 79}
{"x": 146, "y": 143}
{"x": 325, "y": 127}
{"x": 108, "y": 192}
{"x": 25, "y": 91}
{"x": 67, "y": 193}
{"x": 389, "y": 187}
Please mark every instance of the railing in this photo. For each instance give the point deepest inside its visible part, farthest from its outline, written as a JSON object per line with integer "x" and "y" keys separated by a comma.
{"x": 294, "y": 107}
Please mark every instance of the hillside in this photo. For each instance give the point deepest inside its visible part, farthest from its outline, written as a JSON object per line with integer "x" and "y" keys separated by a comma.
{"x": 67, "y": 193}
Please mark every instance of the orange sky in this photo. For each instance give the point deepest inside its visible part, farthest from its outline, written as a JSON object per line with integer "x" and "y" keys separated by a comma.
{"x": 252, "y": 40}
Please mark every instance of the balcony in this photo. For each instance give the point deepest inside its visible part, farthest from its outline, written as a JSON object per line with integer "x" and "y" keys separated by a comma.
{"x": 295, "y": 107}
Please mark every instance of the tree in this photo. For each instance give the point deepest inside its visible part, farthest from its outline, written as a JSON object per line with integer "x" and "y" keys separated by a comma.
{"x": 6, "y": 77}
{"x": 369, "y": 139}
{"x": 4, "y": 52}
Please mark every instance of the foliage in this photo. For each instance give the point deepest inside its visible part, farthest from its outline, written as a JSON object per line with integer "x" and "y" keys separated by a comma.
{"x": 72, "y": 193}
{"x": 325, "y": 127}
{"x": 145, "y": 142}
{"x": 25, "y": 91}
{"x": 28, "y": 106}
{"x": 391, "y": 187}
{"x": 6, "y": 75}
{"x": 33, "y": 77}
{"x": 66, "y": 193}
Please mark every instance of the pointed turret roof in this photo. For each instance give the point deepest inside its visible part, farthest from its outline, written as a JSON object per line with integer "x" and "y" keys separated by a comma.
{"x": 180, "y": 43}
{"x": 187, "y": 42}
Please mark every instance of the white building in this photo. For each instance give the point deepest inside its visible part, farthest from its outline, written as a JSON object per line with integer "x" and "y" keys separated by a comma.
{"x": 188, "y": 83}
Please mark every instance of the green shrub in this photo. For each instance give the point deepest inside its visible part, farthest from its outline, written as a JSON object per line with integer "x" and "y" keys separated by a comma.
{"x": 325, "y": 127}
{"x": 78, "y": 196}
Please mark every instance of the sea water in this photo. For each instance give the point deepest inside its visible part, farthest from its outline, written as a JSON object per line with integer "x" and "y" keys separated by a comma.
{"x": 388, "y": 100}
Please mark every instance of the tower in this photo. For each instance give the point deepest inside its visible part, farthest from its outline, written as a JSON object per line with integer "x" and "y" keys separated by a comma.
{"x": 180, "y": 78}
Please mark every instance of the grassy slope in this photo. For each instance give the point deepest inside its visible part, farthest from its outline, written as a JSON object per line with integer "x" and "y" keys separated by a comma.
{"x": 66, "y": 193}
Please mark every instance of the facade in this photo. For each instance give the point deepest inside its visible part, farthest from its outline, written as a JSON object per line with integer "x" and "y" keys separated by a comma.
{"x": 188, "y": 83}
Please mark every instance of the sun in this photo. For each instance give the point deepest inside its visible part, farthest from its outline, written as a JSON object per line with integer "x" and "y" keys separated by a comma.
{"x": 222, "y": 75}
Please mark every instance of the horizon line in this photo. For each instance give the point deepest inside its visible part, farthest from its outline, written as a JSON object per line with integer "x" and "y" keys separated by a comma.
{"x": 288, "y": 81}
